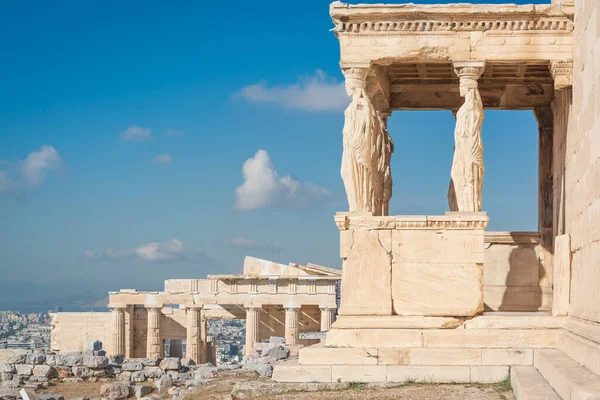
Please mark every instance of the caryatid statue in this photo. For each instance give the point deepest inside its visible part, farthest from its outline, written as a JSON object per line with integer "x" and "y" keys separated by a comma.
{"x": 367, "y": 150}
{"x": 467, "y": 172}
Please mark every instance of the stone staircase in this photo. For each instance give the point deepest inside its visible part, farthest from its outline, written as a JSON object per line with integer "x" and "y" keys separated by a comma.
{"x": 531, "y": 348}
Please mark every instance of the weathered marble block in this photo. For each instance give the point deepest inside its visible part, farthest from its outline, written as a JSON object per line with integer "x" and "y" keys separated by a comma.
{"x": 412, "y": 265}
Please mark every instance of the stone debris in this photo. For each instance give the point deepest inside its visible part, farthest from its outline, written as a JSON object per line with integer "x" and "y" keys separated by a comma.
{"x": 141, "y": 391}
{"x": 170, "y": 364}
{"x": 163, "y": 383}
{"x": 247, "y": 390}
{"x": 50, "y": 396}
{"x": 116, "y": 391}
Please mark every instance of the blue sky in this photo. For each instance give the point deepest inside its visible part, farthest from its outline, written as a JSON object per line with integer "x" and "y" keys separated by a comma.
{"x": 125, "y": 128}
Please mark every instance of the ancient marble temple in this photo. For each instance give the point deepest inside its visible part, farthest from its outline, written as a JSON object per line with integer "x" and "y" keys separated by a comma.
{"x": 438, "y": 297}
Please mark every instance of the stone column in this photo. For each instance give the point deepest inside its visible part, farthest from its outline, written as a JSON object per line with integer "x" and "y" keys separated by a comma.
{"x": 327, "y": 317}
{"x": 466, "y": 183}
{"x": 154, "y": 346}
{"x": 118, "y": 324}
{"x": 291, "y": 325}
{"x": 194, "y": 341}
{"x": 252, "y": 326}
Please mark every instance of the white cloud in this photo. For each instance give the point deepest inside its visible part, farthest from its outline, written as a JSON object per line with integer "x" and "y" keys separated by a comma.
{"x": 174, "y": 132}
{"x": 310, "y": 93}
{"x": 263, "y": 187}
{"x": 31, "y": 172}
{"x": 242, "y": 242}
{"x": 136, "y": 134}
{"x": 162, "y": 159}
{"x": 37, "y": 164}
{"x": 169, "y": 251}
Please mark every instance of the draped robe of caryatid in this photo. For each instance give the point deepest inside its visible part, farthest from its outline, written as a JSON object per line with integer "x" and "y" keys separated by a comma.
{"x": 382, "y": 176}
{"x": 361, "y": 130}
{"x": 467, "y": 166}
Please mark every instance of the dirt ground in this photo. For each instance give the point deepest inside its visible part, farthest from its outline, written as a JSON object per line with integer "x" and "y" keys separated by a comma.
{"x": 75, "y": 390}
{"x": 222, "y": 387}
{"x": 221, "y": 390}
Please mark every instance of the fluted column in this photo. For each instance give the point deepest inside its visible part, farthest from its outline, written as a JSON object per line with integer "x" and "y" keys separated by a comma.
{"x": 118, "y": 329}
{"x": 194, "y": 333}
{"x": 327, "y": 318}
{"x": 252, "y": 326}
{"x": 154, "y": 347}
{"x": 291, "y": 325}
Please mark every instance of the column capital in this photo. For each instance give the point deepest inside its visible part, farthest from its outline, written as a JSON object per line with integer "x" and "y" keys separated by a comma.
{"x": 469, "y": 69}
{"x": 291, "y": 307}
{"x": 117, "y": 307}
{"x": 356, "y": 78}
{"x": 194, "y": 307}
{"x": 329, "y": 308}
{"x": 253, "y": 306}
{"x": 156, "y": 308}
{"x": 562, "y": 73}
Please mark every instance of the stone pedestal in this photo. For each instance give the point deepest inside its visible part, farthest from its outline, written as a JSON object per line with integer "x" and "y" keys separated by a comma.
{"x": 252, "y": 326}
{"x": 412, "y": 265}
{"x": 154, "y": 347}
{"x": 194, "y": 334}
{"x": 291, "y": 325}
{"x": 118, "y": 318}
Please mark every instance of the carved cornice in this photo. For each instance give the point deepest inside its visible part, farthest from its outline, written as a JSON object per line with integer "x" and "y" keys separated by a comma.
{"x": 417, "y": 222}
{"x": 467, "y": 25}
{"x": 562, "y": 72}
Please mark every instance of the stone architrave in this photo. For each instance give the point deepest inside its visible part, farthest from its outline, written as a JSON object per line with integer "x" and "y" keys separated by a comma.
{"x": 118, "y": 320}
{"x": 367, "y": 149}
{"x": 154, "y": 342}
{"x": 466, "y": 184}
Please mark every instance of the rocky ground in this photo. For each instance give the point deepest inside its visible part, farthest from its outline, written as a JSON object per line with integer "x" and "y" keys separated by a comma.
{"x": 93, "y": 376}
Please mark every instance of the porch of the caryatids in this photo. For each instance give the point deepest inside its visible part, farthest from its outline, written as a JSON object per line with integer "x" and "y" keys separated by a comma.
{"x": 466, "y": 183}
{"x": 367, "y": 149}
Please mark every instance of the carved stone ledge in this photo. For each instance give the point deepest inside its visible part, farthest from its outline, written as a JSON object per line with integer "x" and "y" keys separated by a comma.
{"x": 471, "y": 69}
{"x": 562, "y": 72}
{"x": 386, "y": 27}
{"x": 453, "y": 221}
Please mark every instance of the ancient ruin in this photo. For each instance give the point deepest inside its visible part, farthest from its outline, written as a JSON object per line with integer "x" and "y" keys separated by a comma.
{"x": 437, "y": 297}
{"x": 274, "y": 299}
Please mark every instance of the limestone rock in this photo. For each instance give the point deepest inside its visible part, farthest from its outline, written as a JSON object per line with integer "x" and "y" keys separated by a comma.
{"x": 205, "y": 372}
{"x": 117, "y": 359}
{"x": 63, "y": 372}
{"x": 50, "y": 396}
{"x": 5, "y": 376}
{"x": 138, "y": 376}
{"x": 36, "y": 358}
{"x": 8, "y": 368}
{"x": 72, "y": 380}
{"x": 46, "y": 371}
{"x": 153, "y": 372}
{"x": 180, "y": 377}
{"x": 10, "y": 384}
{"x": 276, "y": 340}
{"x": 95, "y": 361}
{"x": 187, "y": 362}
{"x": 50, "y": 359}
{"x": 124, "y": 376}
{"x": 113, "y": 369}
{"x": 261, "y": 369}
{"x": 163, "y": 383}
{"x": 70, "y": 360}
{"x": 192, "y": 383}
{"x": 115, "y": 391}
{"x": 18, "y": 359}
{"x": 276, "y": 352}
{"x": 132, "y": 366}
{"x": 24, "y": 369}
{"x": 9, "y": 394}
{"x": 170, "y": 364}
{"x": 141, "y": 391}
{"x": 82, "y": 372}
